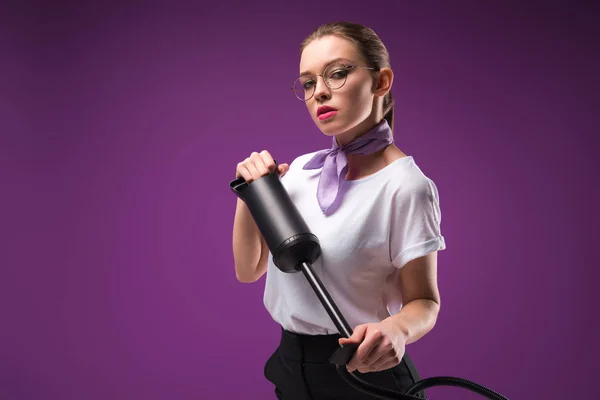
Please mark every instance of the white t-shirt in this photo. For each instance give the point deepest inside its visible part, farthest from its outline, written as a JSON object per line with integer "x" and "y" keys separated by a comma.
{"x": 384, "y": 221}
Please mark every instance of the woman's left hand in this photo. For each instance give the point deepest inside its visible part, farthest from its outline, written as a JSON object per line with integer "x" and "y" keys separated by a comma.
{"x": 382, "y": 346}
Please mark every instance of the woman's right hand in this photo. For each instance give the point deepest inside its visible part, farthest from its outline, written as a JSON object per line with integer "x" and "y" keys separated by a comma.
{"x": 257, "y": 165}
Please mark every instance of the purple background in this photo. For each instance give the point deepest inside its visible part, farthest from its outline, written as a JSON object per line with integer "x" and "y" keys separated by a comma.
{"x": 121, "y": 128}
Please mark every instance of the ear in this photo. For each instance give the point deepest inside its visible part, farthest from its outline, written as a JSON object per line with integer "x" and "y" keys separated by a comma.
{"x": 384, "y": 85}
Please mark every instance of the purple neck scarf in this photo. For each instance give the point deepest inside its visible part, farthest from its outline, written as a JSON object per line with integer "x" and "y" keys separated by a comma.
{"x": 335, "y": 162}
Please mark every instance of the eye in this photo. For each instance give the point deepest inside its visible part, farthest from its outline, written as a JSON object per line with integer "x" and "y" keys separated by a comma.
{"x": 338, "y": 74}
{"x": 308, "y": 84}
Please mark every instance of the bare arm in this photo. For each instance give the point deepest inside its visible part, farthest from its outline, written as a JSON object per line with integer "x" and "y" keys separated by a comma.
{"x": 420, "y": 296}
{"x": 250, "y": 250}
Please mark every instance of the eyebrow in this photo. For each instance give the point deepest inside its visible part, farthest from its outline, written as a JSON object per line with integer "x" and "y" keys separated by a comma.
{"x": 326, "y": 65}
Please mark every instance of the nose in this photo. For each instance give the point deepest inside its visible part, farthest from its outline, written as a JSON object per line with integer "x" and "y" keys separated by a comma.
{"x": 322, "y": 91}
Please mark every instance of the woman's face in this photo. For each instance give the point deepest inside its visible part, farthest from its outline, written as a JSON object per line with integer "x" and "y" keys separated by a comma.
{"x": 353, "y": 102}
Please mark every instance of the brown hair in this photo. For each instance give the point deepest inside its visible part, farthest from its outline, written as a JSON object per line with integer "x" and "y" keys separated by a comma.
{"x": 369, "y": 45}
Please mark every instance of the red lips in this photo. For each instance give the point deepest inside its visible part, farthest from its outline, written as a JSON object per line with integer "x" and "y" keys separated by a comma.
{"x": 324, "y": 109}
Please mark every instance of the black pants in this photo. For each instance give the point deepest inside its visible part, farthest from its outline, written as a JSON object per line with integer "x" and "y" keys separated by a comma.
{"x": 300, "y": 370}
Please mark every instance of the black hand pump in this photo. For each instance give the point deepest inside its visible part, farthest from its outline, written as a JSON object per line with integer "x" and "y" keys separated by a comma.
{"x": 295, "y": 249}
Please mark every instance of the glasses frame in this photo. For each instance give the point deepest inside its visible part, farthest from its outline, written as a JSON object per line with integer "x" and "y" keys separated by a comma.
{"x": 346, "y": 67}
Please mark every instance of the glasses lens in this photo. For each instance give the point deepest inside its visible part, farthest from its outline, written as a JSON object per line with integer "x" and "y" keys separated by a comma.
{"x": 304, "y": 87}
{"x": 335, "y": 76}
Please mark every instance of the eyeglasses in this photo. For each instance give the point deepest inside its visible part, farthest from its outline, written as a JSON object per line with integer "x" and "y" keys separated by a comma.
{"x": 334, "y": 76}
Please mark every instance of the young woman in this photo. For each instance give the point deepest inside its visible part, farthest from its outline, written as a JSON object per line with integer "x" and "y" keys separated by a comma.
{"x": 376, "y": 215}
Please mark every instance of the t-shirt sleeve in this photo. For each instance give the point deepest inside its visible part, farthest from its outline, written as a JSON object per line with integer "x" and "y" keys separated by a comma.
{"x": 416, "y": 223}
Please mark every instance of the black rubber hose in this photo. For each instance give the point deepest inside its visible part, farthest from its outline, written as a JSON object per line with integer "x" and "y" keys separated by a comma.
{"x": 458, "y": 382}
{"x": 410, "y": 394}
{"x": 372, "y": 390}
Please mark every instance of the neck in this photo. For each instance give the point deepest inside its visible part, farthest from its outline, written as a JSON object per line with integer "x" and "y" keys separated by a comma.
{"x": 360, "y": 129}
{"x": 361, "y": 165}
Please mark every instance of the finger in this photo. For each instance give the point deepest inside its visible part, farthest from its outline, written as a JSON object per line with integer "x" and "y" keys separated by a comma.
{"x": 283, "y": 169}
{"x": 268, "y": 160}
{"x": 259, "y": 164}
{"x": 255, "y": 174}
{"x": 384, "y": 363}
{"x": 242, "y": 171}
{"x": 378, "y": 353}
{"x": 357, "y": 335}
{"x": 358, "y": 359}
{"x": 389, "y": 359}
{"x": 364, "y": 350}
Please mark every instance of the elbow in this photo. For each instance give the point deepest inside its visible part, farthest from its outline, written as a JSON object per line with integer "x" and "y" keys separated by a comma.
{"x": 246, "y": 277}
{"x": 434, "y": 307}
{"x": 248, "y": 273}
{"x": 435, "y": 311}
